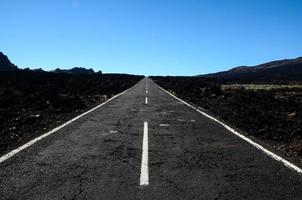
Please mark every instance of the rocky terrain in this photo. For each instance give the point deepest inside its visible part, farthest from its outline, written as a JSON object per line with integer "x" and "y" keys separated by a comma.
{"x": 33, "y": 102}
{"x": 272, "y": 116}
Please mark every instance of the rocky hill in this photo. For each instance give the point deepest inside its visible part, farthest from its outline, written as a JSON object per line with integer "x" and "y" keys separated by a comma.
{"x": 5, "y": 64}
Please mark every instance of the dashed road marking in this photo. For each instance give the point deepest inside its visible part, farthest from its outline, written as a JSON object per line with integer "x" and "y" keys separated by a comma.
{"x": 144, "y": 178}
{"x": 146, "y": 100}
{"x": 112, "y": 131}
{"x": 164, "y": 125}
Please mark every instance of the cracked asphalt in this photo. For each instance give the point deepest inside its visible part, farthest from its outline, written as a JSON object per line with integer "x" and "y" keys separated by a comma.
{"x": 190, "y": 157}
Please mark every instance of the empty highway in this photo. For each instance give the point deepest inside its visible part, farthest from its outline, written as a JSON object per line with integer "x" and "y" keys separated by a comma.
{"x": 145, "y": 144}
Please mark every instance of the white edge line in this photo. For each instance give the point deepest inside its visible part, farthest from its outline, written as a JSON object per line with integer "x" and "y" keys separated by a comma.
{"x": 144, "y": 177}
{"x": 17, "y": 150}
{"x": 258, "y": 146}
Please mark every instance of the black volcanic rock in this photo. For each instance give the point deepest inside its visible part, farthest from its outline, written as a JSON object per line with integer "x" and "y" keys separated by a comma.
{"x": 75, "y": 70}
{"x": 281, "y": 70}
{"x": 5, "y": 64}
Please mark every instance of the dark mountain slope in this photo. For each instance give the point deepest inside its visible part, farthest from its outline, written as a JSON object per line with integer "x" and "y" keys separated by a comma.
{"x": 5, "y": 64}
{"x": 282, "y": 70}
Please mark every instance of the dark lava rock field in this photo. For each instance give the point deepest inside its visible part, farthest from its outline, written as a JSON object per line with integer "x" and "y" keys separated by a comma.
{"x": 31, "y": 103}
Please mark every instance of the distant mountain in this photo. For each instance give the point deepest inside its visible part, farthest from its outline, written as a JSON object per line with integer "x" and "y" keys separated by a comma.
{"x": 5, "y": 64}
{"x": 281, "y": 70}
{"x": 38, "y": 70}
{"x": 75, "y": 70}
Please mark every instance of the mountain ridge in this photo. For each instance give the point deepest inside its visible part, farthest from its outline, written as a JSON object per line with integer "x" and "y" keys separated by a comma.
{"x": 286, "y": 69}
{"x": 75, "y": 70}
{"x": 7, "y": 66}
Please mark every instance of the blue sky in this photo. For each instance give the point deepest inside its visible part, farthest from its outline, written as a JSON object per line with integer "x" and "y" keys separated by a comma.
{"x": 150, "y": 37}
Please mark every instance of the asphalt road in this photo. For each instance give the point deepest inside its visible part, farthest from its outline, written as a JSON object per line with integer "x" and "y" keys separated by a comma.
{"x": 135, "y": 147}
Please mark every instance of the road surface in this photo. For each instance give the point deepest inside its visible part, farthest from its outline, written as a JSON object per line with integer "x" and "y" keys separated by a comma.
{"x": 145, "y": 144}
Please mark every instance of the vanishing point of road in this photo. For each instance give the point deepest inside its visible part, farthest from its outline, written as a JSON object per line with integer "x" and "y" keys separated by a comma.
{"x": 145, "y": 144}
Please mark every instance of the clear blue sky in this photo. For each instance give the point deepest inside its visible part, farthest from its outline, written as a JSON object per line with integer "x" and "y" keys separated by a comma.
{"x": 151, "y": 37}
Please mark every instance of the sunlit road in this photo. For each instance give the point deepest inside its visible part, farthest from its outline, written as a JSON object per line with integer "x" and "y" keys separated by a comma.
{"x": 145, "y": 144}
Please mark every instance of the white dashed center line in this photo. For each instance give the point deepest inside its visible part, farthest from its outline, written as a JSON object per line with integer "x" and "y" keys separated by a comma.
{"x": 112, "y": 131}
{"x": 146, "y": 100}
{"x": 144, "y": 178}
